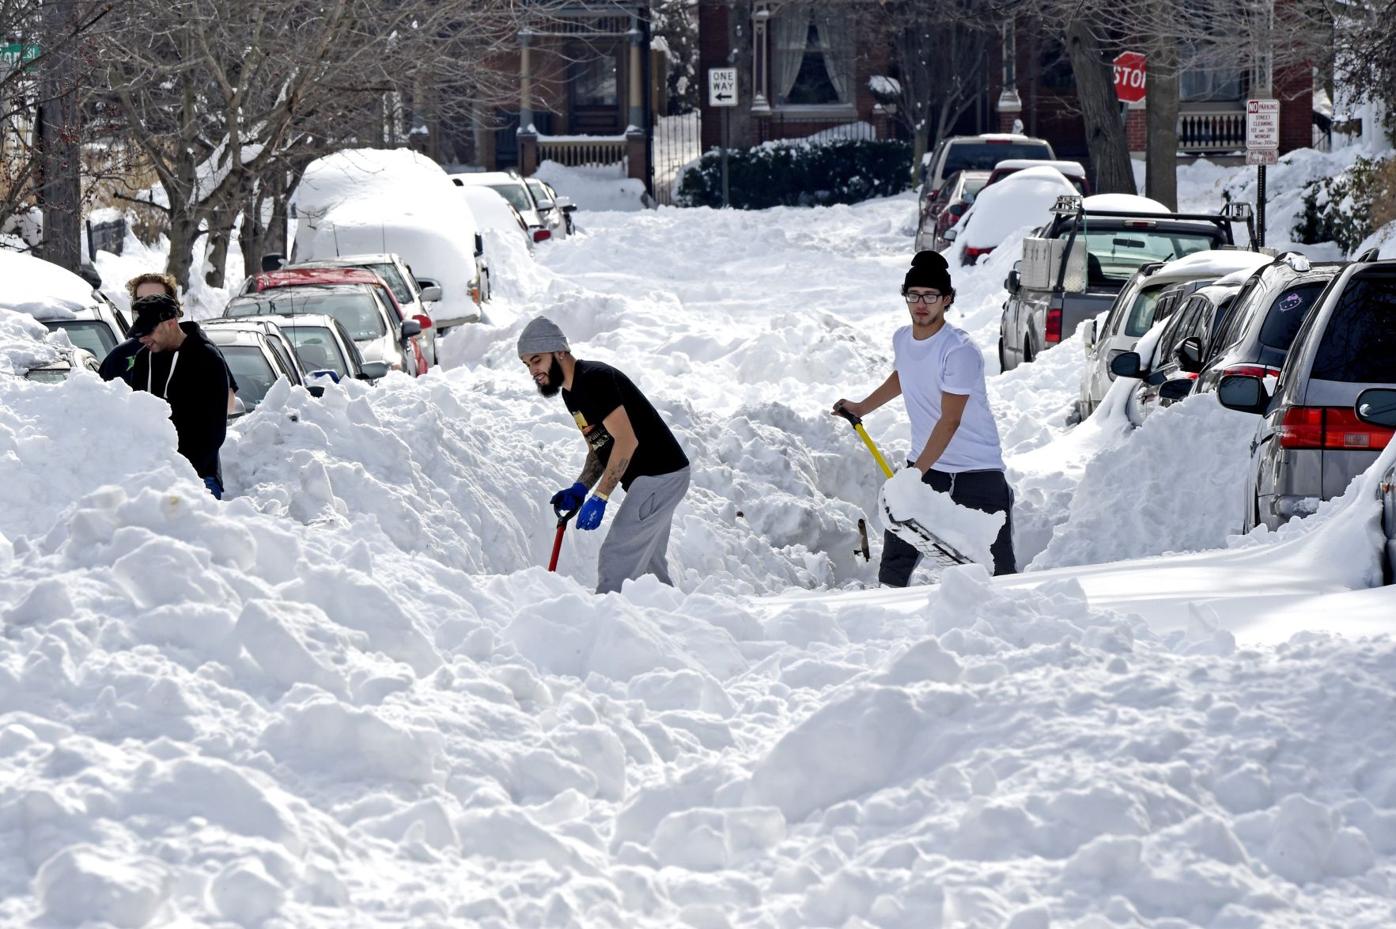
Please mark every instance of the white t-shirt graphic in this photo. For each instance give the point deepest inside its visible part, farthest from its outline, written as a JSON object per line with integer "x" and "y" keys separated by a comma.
{"x": 947, "y": 361}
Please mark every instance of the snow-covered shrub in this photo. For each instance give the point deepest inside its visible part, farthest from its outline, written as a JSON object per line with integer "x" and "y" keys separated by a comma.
{"x": 1348, "y": 207}
{"x": 799, "y": 173}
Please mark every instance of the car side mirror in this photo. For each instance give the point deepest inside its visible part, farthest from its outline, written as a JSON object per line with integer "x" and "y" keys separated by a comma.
{"x": 1126, "y": 364}
{"x": 373, "y": 370}
{"x": 411, "y": 328}
{"x": 431, "y": 293}
{"x": 479, "y": 245}
{"x": 272, "y": 261}
{"x": 1013, "y": 281}
{"x": 1377, "y": 405}
{"x": 423, "y": 321}
{"x": 1244, "y": 394}
{"x": 950, "y": 234}
{"x": 1176, "y": 389}
{"x": 544, "y": 206}
{"x": 1189, "y": 354}
{"x": 89, "y": 274}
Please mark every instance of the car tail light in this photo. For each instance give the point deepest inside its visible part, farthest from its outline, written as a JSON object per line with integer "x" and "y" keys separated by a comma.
{"x": 1054, "y": 324}
{"x": 1330, "y": 427}
{"x": 972, "y": 254}
{"x": 1140, "y": 224}
{"x": 1260, "y": 371}
{"x": 475, "y": 293}
{"x": 542, "y": 235}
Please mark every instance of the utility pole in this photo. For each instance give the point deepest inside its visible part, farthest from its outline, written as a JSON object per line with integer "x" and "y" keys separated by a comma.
{"x": 60, "y": 136}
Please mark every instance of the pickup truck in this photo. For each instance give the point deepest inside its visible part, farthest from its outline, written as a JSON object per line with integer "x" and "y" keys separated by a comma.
{"x": 1074, "y": 267}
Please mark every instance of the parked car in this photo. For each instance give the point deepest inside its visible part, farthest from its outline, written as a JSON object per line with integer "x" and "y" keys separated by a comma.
{"x": 62, "y": 368}
{"x": 1074, "y": 267}
{"x": 510, "y": 186}
{"x": 322, "y": 344}
{"x": 1378, "y": 408}
{"x": 1024, "y": 199}
{"x": 1167, "y": 373}
{"x": 556, "y": 210}
{"x": 943, "y": 210}
{"x": 1266, "y": 315}
{"x": 63, "y": 301}
{"x": 411, "y": 342}
{"x": 1071, "y": 170}
{"x": 358, "y": 307}
{"x": 410, "y": 295}
{"x": 1135, "y": 311}
{"x": 977, "y": 153}
{"x": 256, "y": 359}
{"x": 1312, "y": 438}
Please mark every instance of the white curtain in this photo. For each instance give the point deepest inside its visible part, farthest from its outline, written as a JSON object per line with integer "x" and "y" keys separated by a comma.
{"x": 789, "y": 37}
{"x": 832, "y": 29}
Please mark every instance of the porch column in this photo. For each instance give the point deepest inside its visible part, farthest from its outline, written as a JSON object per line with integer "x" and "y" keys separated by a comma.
{"x": 760, "y": 60}
{"x": 528, "y": 135}
{"x": 636, "y": 151}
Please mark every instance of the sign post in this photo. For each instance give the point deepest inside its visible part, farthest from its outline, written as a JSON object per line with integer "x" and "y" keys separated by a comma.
{"x": 1262, "y": 149}
{"x": 722, "y": 93}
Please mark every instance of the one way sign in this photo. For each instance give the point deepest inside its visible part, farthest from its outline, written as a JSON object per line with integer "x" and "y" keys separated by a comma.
{"x": 722, "y": 87}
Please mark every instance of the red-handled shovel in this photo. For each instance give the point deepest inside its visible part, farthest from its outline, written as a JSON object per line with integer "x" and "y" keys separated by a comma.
{"x": 562, "y": 520}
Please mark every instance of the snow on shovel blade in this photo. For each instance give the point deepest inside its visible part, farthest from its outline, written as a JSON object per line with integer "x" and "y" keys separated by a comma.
{"x": 910, "y": 508}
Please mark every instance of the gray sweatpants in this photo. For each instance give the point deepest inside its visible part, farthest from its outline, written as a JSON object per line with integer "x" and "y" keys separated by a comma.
{"x": 638, "y": 541}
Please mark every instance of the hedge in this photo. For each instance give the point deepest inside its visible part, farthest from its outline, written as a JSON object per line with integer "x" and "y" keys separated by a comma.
{"x": 799, "y": 174}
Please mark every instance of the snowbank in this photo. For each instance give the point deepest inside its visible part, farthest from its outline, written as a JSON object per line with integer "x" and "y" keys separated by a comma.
{"x": 594, "y": 189}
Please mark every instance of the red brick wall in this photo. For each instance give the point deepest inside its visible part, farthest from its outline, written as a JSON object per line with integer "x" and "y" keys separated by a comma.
{"x": 1137, "y": 129}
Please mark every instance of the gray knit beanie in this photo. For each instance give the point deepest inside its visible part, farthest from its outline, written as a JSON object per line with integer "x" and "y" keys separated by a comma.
{"x": 540, "y": 336}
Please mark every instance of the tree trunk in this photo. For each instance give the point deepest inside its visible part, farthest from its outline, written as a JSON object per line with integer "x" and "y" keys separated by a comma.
{"x": 184, "y": 230}
{"x": 60, "y": 139}
{"x": 1161, "y": 174}
{"x": 1105, "y": 131}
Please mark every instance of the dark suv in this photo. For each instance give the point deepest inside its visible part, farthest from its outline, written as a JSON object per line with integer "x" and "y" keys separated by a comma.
{"x": 1311, "y": 442}
{"x": 1264, "y": 319}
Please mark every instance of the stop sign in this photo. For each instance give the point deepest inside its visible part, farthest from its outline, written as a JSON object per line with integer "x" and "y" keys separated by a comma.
{"x": 1129, "y": 77}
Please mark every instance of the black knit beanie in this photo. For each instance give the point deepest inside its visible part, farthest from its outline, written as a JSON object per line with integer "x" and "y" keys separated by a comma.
{"x": 929, "y": 269}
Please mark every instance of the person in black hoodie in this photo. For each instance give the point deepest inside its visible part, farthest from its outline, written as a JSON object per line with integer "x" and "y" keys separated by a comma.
{"x": 181, "y": 365}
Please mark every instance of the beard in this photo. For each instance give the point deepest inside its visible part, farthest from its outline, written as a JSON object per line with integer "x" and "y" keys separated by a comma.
{"x": 553, "y": 384}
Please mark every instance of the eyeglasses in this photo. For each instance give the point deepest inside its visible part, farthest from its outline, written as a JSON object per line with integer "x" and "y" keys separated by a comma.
{"x": 924, "y": 298}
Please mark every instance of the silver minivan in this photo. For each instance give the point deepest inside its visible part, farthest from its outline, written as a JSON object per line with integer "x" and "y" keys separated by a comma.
{"x": 1311, "y": 442}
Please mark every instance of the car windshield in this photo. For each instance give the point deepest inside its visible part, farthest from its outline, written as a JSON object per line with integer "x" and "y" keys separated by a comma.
{"x": 516, "y": 195}
{"x": 90, "y": 335}
{"x": 982, "y": 156}
{"x": 317, "y": 349}
{"x": 1359, "y": 342}
{"x": 1114, "y": 256}
{"x": 1286, "y": 313}
{"x": 357, "y": 312}
{"x": 251, "y": 370}
{"x": 390, "y": 275}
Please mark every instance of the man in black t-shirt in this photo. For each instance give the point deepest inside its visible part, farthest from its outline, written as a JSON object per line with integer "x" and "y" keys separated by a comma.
{"x": 627, "y": 444}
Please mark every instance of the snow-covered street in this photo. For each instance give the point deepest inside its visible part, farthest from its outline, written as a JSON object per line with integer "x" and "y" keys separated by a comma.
{"x": 350, "y": 695}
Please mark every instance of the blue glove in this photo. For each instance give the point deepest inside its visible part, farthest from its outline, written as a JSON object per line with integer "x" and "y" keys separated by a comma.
{"x": 566, "y": 501}
{"x": 592, "y": 511}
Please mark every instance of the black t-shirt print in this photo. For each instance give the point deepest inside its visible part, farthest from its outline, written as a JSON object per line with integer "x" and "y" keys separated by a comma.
{"x": 597, "y": 390}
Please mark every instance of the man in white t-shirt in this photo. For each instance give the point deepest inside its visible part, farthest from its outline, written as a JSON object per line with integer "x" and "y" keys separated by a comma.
{"x": 939, "y": 372}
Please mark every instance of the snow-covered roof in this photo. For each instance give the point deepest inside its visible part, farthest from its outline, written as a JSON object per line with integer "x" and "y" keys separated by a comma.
{"x": 1124, "y": 203}
{"x": 40, "y": 288}
{"x": 1213, "y": 263}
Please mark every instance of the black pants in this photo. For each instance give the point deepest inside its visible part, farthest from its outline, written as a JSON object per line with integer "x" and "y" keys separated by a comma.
{"x": 986, "y": 491}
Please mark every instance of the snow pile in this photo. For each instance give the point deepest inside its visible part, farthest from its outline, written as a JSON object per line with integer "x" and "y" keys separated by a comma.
{"x": 1174, "y": 485}
{"x": 1023, "y": 199}
{"x": 594, "y": 189}
{"x": 24, "y": 343}
{"x": 1383, "y": 240}
{"x": 971, "y": 533}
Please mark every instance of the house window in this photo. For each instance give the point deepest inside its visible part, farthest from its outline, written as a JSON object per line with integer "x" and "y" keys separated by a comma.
{"x": 811, "y": 61}
{"x": 594, "y": 81}
{"x": 1209, "y": 74}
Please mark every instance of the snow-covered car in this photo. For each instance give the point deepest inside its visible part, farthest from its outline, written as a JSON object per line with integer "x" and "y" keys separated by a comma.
{"x": 555, "y": 209}
{"x": 409, "y": 334}
{"x": 1135, "y": 310}
{"x": 977, "y": 153}
{"x": 494, "y": 213}
{"x": 512, "y": 187}
{"x": 1024, "y": 199}
{"x": 1311, "y": 441}
{"x": 359, "y": 309}
{"x": 256, "y": 362}
{"x": 59, "y": 370}
{"x": 62, "y": 301}
{"x": 1265, "y": 318}
{"x": 1071, "y": 170}
{"x": 939, "y": 213}
{"x": 322, "y": 344}
{"x": 373, "y": 202}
